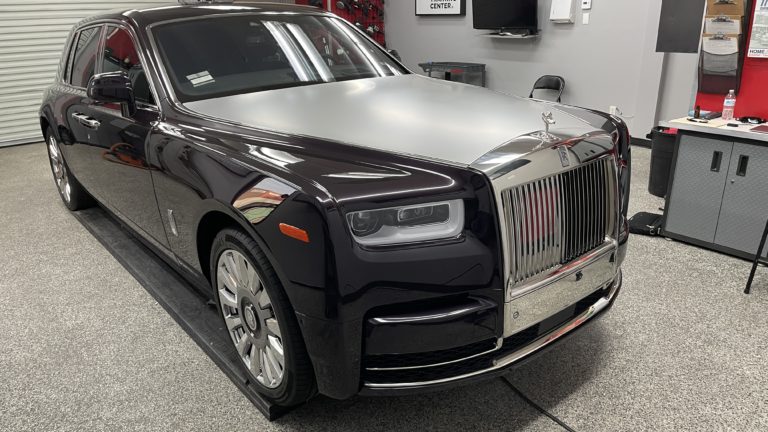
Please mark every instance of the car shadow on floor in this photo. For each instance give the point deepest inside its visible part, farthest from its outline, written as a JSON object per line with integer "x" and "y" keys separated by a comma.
{"x": 490, "y": 405}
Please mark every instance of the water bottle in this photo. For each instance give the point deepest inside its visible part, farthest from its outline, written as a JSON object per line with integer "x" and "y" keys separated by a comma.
{"x": 729, "y": 106}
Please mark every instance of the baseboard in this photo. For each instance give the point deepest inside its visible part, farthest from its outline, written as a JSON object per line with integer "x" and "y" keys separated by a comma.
{"x": 641, "y": 142}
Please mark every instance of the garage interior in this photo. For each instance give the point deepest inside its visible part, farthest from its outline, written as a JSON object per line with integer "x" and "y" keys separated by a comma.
{"x": 85, "y": 346}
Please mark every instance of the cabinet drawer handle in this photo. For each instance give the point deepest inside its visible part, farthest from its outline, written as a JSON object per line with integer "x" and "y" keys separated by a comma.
{"x": 717, "y": 159}
{"x": 741, "y": 170}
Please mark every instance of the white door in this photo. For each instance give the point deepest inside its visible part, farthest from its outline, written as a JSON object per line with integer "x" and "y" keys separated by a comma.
{"x": 32, "y": 36}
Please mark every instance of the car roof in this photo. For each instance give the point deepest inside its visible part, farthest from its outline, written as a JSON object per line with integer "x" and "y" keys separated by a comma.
{"x": 172, "y": 11}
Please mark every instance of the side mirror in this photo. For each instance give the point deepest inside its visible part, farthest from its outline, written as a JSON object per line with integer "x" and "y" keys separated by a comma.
{"x": 112, "y": 87}
{"x": 395, "y": 54}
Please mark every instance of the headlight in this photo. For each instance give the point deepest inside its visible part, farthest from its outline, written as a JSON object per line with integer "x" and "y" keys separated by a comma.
{"x": 410, "y": 224}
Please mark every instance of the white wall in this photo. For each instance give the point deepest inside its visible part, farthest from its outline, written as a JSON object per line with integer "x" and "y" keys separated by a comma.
{"x": 610, "y": 61}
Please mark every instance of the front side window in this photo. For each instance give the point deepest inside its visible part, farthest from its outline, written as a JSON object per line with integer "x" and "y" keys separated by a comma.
{"x": 84, "y": 64}
{"x": 120, "y": 55}
{"x": 220, "y": 56}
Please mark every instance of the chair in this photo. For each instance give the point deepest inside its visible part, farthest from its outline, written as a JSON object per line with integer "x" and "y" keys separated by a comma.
{"x": 550, "y": 82}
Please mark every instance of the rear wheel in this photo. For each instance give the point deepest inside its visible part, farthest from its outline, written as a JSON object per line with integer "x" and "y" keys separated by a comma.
{"x": 73, "y": 194}
{"x": 260, "y": 320}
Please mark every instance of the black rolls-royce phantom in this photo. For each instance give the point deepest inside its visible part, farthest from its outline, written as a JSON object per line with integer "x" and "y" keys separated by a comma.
{"x": 363, "y": 229}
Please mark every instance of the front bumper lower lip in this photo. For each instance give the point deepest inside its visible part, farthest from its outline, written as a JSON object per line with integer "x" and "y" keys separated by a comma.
{"x": 510, "y": 359}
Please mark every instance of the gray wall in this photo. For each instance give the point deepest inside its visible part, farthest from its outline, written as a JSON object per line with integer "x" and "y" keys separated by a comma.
{"x": 610, "y": 61}
{"x": 679, "y": 85}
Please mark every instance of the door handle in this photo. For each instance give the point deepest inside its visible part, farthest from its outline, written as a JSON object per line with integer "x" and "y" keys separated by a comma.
{"x": 741, "y": 169}
{"x": 86, "y": 121}
{"x": 717, "y": 159}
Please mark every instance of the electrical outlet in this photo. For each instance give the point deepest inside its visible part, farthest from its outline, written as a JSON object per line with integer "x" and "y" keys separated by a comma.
{"x": 586, "y": 4}
{"x": 613, "y": 110}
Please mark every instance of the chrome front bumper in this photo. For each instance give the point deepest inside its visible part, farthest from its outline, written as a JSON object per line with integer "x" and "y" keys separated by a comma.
{"x": 503, "y": 361}
{"x": 562, "y": 287}
{"x": 564, "y": 329}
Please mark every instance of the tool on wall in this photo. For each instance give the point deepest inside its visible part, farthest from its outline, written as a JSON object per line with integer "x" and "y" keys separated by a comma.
{"x": 372, "y": 30}
{"x": 343, "y": 4}
{"x": 367, "y": 15}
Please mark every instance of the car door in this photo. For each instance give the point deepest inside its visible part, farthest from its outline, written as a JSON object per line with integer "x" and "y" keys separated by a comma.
{"x": 122, "y": 135}
{"x": 79, "y": 135}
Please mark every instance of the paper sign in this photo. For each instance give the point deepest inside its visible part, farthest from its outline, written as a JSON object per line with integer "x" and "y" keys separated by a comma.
{"x": 758, "y": 44}
{"x": 440, "y": 7}
{"x": 200, "y": 78}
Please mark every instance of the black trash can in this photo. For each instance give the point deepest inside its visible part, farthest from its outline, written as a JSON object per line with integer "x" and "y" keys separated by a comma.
{"x": 662, "y": 149}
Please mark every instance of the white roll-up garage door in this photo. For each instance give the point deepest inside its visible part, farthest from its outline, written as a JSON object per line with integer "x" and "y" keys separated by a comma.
{"x": 32, "y": 36}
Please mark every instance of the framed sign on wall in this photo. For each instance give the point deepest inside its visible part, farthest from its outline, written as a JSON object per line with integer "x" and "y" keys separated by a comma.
{"x": 441, "y": 7}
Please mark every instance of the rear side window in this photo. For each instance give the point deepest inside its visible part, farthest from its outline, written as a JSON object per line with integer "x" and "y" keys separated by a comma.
{"x": 67, "y": 60}
{"x": 120, "y": 55}
{"x": 84, "y": 64}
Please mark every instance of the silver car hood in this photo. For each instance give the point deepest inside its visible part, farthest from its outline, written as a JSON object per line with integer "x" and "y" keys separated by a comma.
{"x": 407, "y": 114}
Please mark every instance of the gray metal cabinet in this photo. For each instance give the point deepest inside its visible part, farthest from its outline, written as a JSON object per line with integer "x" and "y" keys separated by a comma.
{"x": 697, "y": 188}
{"x": 719, "y": 195}
{"x": 745, "y": 201}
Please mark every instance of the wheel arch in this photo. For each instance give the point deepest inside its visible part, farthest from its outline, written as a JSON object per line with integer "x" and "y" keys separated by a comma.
{"x": 209, "y": 226}
{"x": 218, "y": 217}
{"x": 48, "y": 121}
{"x": 44, "y": 125}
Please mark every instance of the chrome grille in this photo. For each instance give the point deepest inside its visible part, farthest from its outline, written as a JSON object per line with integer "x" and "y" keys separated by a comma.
{"x": 554, "y": 220}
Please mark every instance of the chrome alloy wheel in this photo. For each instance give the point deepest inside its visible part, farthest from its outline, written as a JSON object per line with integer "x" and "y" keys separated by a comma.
{"x": 250, "y": 318}
{"x": 59, "y": 170}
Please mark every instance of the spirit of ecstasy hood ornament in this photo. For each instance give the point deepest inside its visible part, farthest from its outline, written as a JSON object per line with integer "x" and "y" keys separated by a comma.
{"x": 549, "y": 120}
{"x": 544, "y": 135}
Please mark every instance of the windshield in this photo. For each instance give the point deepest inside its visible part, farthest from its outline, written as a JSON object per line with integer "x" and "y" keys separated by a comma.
{"x": 221, "y": 56}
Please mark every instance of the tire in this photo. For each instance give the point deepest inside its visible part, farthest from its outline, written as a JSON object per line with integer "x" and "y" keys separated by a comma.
{"x": 72, "y": 193}
{"x": 254, "y": 320}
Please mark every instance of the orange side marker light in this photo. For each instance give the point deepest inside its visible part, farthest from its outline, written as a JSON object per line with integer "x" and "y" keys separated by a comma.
{"x": 293, "y": 232}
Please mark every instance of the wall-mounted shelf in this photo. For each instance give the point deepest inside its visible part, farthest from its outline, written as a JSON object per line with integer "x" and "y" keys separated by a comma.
{"x": 509, "y": 36}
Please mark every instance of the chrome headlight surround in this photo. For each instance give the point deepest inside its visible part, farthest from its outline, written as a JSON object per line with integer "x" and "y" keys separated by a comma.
{"x": 407, "y": 224}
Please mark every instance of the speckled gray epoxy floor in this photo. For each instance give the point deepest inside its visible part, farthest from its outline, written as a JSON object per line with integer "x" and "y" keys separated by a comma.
{"x": 84, "y": 347}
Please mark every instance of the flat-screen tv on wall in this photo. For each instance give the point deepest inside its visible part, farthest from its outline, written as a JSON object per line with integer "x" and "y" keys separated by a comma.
{"x": 506, "y": 15}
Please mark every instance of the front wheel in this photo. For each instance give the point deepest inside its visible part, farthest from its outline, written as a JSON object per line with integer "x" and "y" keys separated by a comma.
{"x": 260, "y": 320}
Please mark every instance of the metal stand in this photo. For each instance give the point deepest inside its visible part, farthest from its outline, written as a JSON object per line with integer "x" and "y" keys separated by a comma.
{"x": 192, "y": 311}
{"x": 757, "y": 260}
